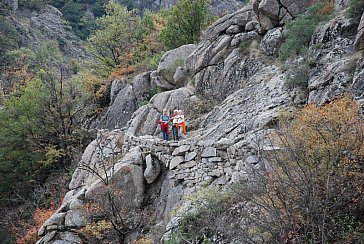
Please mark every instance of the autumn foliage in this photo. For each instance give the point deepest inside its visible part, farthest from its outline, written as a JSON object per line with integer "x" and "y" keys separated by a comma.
{"x": 40, "y": 215}
{"x": 312, "y": 188}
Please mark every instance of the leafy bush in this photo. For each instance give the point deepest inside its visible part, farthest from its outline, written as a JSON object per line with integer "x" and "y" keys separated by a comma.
{"x": 185, "y": 22}
{"x": 119, "y": 32}
{"x": 39, "y": 127}
{"x": 300, "y": 31}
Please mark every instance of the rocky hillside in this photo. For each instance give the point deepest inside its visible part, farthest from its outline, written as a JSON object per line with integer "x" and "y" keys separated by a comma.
{"x": 233, "y": 88}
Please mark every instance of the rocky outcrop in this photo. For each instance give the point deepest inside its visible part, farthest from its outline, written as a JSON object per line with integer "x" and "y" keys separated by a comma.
{"x": 165, "y": 77}
{"x": 249, "y": 108}
{"x": 219, "y": 63}
{"x": 272, "y": 13}
{"x": 216, "y": 7}
{"x": 341, "y": 4}
{"x": 237, "y": 19}
{"x": 130, "y": 96}
{"x": 272, "y": 41}
{"x": 99, "y": 169}
{"x": 359, "y": 40}
{"x": 332, "y": 73}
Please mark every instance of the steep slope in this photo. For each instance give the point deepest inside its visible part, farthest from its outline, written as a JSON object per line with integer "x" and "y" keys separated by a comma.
{"x": 233, "y": 72}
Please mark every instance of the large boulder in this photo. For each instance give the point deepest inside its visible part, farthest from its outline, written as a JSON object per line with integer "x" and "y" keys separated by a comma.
{"x": 95, "y": 156}
{"x": 169, "y": 63}
{"x": 152, "y": 170}
{"x": 239, "y": 18}
{"x": 128, "y": 185}
{"x": 272, "y": 13}
{"x": 126, "y": 176}
{"x": 116, "y": 87}
{"x": 359, "y": 39}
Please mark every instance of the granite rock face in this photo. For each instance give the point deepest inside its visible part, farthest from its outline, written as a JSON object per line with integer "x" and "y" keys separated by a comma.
{"x": 331, "y": 76}
{"x": 272, "y": 41}
{"x": 126, "y": 98}
{"x": 272, "y": 13}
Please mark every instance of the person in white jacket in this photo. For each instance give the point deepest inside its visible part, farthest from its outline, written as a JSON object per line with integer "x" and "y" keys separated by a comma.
{"x": 181, "y": 124}
{"x": 174, "y": 119}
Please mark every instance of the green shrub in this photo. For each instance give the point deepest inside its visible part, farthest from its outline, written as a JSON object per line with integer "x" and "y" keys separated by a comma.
{"x": 300, "y": 31}
{"x": 154, "y": 61}
{"x": 184, "y": 23}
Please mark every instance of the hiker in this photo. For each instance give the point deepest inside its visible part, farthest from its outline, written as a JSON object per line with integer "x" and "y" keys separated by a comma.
{"x": 181, "y": 124}
{"x": 174, "y": 119}
{"x": 164, "y": 120}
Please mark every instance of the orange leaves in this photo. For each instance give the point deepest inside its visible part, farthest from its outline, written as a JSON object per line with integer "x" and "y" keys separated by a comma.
{"x": 329, "y": 131}
{"x": 121, "y": 72}
{"x": 40, "y": 215}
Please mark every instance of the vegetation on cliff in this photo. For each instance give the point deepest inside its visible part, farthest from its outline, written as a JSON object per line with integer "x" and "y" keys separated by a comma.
{"x": 310, "y": 190}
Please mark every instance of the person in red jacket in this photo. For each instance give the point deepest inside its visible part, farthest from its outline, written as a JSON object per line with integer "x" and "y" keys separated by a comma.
{"x": 164, "y": 120}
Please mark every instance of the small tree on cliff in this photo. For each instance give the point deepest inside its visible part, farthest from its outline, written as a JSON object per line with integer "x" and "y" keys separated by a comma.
{"x": 185, "y": 22}
{"x": 119, "y": 32}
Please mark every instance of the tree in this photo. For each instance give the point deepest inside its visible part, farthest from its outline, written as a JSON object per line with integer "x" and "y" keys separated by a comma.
{"x": 41, "y": 123}
{"x": 185, "y": 22}
{"x": 119, "y": 32}
{"x": 72, "y": 11}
